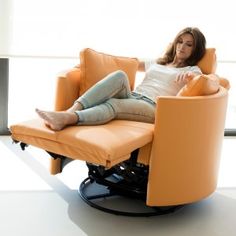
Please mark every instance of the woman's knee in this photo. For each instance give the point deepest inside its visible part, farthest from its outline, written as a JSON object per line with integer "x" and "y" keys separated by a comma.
{"x": 120, "y": 74}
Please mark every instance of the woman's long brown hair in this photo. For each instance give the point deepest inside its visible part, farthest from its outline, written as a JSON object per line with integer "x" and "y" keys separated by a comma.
{"x": 199, "y": 48}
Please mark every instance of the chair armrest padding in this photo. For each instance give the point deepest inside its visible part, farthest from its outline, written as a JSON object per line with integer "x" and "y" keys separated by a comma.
{"x": 67, "y": 89}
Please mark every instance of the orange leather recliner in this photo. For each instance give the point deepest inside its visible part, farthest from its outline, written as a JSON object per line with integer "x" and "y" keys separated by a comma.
{"x": 167, "y": 164}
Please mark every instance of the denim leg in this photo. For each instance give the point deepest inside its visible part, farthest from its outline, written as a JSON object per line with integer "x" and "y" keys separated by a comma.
{"x": 96, "y": 115}
{"x": 133, "y": 109}
{"x": 115, "y": 85}
{"x": 125, "y": 109}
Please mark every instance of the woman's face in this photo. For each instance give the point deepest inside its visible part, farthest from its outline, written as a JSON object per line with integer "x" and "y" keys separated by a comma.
{"x": 184, "y": 47}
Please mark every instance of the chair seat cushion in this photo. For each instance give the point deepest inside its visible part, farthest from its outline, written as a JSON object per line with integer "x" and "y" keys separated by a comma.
{"x": 105, "y": 145}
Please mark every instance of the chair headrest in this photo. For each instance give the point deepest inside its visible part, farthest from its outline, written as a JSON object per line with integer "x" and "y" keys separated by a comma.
{"x": 208, "y": 63}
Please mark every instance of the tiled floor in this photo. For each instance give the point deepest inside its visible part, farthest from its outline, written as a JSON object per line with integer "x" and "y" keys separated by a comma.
{"x": 32, "y": 202}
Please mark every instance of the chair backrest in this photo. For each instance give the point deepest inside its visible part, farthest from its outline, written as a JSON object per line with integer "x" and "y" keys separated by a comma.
{"x": 208, "y": 63}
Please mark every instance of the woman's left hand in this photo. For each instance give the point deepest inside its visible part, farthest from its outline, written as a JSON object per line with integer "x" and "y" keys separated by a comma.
{"x": 184, "y": 77}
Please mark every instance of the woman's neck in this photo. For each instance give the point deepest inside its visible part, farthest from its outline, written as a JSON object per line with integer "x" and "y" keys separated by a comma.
{"x": 177, "y": 63}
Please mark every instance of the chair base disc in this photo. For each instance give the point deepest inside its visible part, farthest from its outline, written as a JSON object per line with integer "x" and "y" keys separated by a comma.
{"x": 104, "y": 199}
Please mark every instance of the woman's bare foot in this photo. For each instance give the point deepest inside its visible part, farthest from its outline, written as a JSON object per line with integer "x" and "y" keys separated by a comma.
{"x": 57, "y": 120}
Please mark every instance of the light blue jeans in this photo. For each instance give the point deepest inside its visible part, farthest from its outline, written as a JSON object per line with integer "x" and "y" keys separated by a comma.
{"x": 111, "y": 98}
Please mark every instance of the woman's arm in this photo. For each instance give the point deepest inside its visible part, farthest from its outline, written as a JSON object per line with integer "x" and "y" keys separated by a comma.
{"x": 141, "y": 66}
{"x": 185, "y": 77}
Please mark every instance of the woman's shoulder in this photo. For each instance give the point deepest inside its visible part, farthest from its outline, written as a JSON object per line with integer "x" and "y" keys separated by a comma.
{"x": 150, "y": 62}
{"x": 195, "y": 69}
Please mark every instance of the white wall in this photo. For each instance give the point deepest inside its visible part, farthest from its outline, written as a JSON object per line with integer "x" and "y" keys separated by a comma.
{"x": 132, "y": 27}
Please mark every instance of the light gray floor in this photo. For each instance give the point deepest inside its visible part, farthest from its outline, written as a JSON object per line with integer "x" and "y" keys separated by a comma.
{"x": 32, "y": 202}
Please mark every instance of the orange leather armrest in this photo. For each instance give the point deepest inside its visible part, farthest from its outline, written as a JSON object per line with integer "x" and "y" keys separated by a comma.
{"x": 67, "y": 88}
{"x": 224, "y": 82}
{"x": 184, "y": 160}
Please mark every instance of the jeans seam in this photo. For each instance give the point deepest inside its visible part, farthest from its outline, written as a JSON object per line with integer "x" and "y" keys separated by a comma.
{"x": 142, "y": 115}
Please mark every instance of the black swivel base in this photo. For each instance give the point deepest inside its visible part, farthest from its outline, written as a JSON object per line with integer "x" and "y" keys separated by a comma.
{"x": 114, "y": 194}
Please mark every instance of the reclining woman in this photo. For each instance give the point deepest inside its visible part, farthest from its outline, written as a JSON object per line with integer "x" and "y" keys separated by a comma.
{"x": 111, "y": 98}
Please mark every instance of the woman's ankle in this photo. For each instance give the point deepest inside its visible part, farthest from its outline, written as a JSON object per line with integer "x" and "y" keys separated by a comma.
{"x": 77, "y": 106}
{"x": 72, "y": 118}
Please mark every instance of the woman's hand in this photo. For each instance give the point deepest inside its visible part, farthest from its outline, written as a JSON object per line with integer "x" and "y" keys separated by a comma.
{"x": 184, "y": 77}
